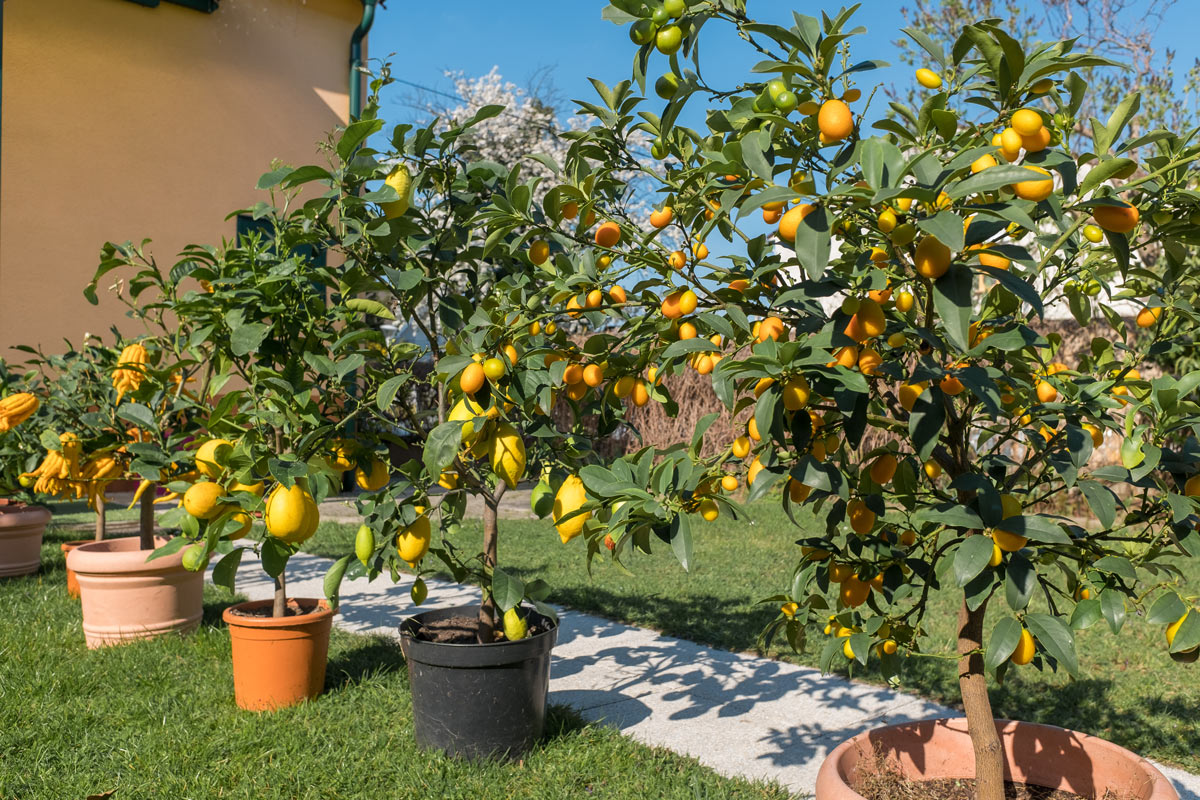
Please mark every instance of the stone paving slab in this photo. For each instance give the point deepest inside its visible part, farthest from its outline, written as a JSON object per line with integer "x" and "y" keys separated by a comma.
{"x": 739, "y": 714}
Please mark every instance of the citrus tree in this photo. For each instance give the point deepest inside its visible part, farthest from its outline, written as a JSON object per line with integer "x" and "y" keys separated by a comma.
{"x": 878, "y": 331}
{"x": 263, "y": 390}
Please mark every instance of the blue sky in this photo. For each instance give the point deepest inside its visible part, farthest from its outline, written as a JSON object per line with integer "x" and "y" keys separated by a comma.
{"x": 569, "y": 37}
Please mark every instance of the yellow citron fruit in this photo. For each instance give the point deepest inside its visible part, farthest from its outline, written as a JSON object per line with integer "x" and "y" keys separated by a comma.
{"x": 472, "y": 378}
{"x": 401, "y": 181}
{"x": 883, "y": 469}
{"x": 847, "y": 651}
{"x": 200, "y": 500}
{"x": 862, "y": 519}
{"x": 932, "y": 258}
{"x": 1006, "y": 540}
{"x": 508, "y": 454}
{"x": 904, "y": 302}
{"x": 515, "y": 626}
{"x": 1148, "y": 317}
{"x": 834, "y": 120}
{"x": 1035, "y": 189}
{"x": 1097, "y": 434}
{"x": 539, "y": 251}
{"x": 729, "y": 483}
{"x": 339, "y": 455}
{"x": 997, "y": 555}
{"x": 1026, "y": 121}
{"x": 887, "y": 220}
{"x": 570, "y": 497}
{"x": 1025, "y": 649}
{"x": 795, "y": 393}
{"x": 245, "y": 524}
{"x": 1117, "y": 219}
{"x": 869, "y": 361}
{"x": 756, "y": 467}
{"x": 206, "y": 457}
{"x": 374, "y": 478}
{"x": 465, "y": 411}
{"x": 983, "y": 162}
{"x": 709, "y": 510}
{"x": 412, "y": 542}
{"x": 448, "y": 480}
{"x": 291, "y": 514}
{"x": 854, "y": 592}
{"x": 741, "y": 447}
{"x": 932, "y": 469}
{"x": 1174, "y": 627}
{"x": 1043, "y": 86}
{"x": 791, "y": 221}
{"x": 929, "y": 79}
{"x": 871, "y": 318}
{"x": 909, "y": 392}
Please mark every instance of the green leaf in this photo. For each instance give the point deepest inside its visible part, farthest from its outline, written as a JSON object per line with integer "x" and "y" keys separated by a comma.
{"x": 1112, "y": 605}
{"x": 926, "y": 422}
{"x": 225, "y": 571}
{"x": 246, "y": 338}
{"x": 1055, "y": 638}
{"x": 972, "y": 558}
{"x": 990, "y": 179}
{"x": 441, "y": 446}
{"x": 388, "y": 390}
{"x": 686, "y": 346}
{"x": 333, "y": 580}
{"x": 355, "y": 134}
{"x": 1020, "y": 579}
{"x": 1120, "y": 118}
{"x": 812, "y": 244}
{"x": 1188, "y": 635}
{"x": 947, "y": 227}
{"x": 507, "y": 590}
{"x": 1116, "y": 565}
{"x": 754, "y": 146}
{"x": 171, "y": 547}
{"x": 681, "y": 540}
{"x": 1167, "y": 608}
{"x": 1006, "y": 635}
{"x": 952, "y": 299}
{"x": 366, "y": 305}
{"x": 1015, "y": 284}
{"x": 1101, "y": 500}
{"x": 1102, "y": 172}
{"x": 136, "y": 413}
{"x": 275, "y": 555}
{"x": 1086, "y": 614}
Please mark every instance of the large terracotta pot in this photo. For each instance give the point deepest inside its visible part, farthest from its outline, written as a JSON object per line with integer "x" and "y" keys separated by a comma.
{"x": 72, "y": 581}
{"x": 278, "y": 661}
{"x": 21, "y": 529}
{"x": 1042, "y": 755}
{"x": 126, "y": 597}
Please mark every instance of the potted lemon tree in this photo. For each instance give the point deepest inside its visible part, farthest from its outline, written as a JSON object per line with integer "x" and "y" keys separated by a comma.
{"x": 878, "y": 335}
{"x": 270, "y": 367}
{"x": 21, "y": 525}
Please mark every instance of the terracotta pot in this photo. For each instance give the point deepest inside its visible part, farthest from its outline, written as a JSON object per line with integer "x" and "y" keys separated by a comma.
{"x": 278, "y": 661}
{"x": 1042, "y": 755}
{"x": 21, "y": 529}
{"x": 126, "y": 597}
{"x": 72, "y": 581}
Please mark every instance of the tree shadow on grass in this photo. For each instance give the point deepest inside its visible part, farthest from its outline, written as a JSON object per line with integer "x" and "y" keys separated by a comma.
{"x": 369, "y": 657}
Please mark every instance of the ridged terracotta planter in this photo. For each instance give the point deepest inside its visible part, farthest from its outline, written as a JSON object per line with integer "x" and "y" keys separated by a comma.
{"x": 21, "y": 529}
{"x": 1042, "y": 755}
{"x": 72, "y": 581}
{"x": 126, "y": 597}
{"x": 278, "y": 661}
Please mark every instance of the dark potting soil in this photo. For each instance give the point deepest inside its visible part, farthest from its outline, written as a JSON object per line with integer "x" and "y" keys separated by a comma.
{"x": 461, "y": 630}
{"x": 292, "y": 609}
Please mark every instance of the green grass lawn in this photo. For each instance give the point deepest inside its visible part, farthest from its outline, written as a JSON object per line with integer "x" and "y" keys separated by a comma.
{"x": 157, "y": 719}
{"x": 1129, "y": 691}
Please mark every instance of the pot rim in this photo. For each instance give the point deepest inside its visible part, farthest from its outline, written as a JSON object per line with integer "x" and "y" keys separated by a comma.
{"x": 122, "y": 555}
{"x": 322, "y": 612}
{"x": 407, "y": 627}
{"x": 20, "y": 514}
{"x": 830, "y": 776}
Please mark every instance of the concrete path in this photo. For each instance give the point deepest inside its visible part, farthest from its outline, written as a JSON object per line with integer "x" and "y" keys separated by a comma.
{"x": 739, "y": 714}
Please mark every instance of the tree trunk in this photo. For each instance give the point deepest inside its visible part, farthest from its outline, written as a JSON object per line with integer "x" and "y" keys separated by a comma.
{"x": 280, "y": 605}
{"x": 101, "y": 519}
{"x": 972, "y": 683}
{"x": 146, "y": 521}
{"x": 487, "y": 609}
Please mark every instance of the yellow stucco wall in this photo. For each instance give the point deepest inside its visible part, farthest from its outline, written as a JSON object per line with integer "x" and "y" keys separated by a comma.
{"x": 122, "y": 122}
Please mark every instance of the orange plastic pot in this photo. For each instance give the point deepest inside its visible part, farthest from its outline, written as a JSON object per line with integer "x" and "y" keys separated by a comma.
{"x": 72, "y": 581}
{"x": 21, "y": 529}
{"x": 1040, "y": 755}
{"x": 278, "y": 661}
{"x": 125, "y": 597}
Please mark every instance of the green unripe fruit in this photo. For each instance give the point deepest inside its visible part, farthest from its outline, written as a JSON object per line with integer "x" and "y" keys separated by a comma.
{"x": 674, "y": 8}
{"x": 776, "y": 87}
{"x": 1162, "y": 217}
{"x": 642, "y": 32}
{"x": 364, "y": 543}
{"x": 763, "y": 102}
{"x": 658, "y": 148}
{"x": 515, "y": 626}
{"x": 419, "y": 592}
{"x": 660, "y": 16}
{"x": 195, "y": 557}
{"x": 667, "y": 85}
{"x": 786, "y": 100}
{"x": 669, "y": 40}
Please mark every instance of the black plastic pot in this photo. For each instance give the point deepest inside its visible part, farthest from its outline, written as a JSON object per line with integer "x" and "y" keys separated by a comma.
{"x": 478, "y": 701}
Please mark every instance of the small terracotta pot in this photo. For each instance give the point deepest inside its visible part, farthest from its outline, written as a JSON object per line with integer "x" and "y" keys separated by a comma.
{"x": 1041, "y": 755}
{"x": 72, "y": 581}
{"x": 21, "y": 529}
{"x": 278, "y": 661}
{"x": 126, "y": 597}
